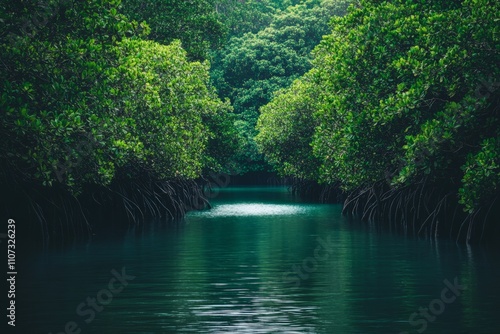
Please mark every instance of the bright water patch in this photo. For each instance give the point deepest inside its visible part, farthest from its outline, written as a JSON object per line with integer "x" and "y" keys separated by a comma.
{"x": 252, "y": 209}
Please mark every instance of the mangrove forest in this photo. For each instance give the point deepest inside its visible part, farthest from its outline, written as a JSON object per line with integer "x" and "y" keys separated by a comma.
{"x": 250, "y": 166}
{"x": 390, "y": 107}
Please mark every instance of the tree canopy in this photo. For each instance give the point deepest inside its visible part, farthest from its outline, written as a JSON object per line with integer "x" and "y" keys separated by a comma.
{"x": 195, "y": 23}
{"x": 255, "y": 65}
{"x": 85, "y": 100}
{"x": 401, "y": 92}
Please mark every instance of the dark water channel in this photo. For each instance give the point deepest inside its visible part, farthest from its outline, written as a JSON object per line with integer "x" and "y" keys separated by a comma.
{"x": 260, "y": 262}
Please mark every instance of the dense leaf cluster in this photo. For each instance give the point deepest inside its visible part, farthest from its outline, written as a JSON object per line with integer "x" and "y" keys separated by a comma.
{"x": 254, "y": 65}
{"x": 86, "y": 100}
{"x": 195, "y": 23}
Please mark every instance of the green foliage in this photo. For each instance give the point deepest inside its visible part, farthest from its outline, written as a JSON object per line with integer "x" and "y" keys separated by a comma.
{"x": 224, "y": 139}
{"x": 252, "y": 67}
{"x": 195, "y": 23}
{"x": 82, "y": 109}
{"x": 166, "y": 98}
{"x": 286, "y": 127}
{"x": 245, "y": 16}
{"x": 408, "y": 91}
{"x": 481, "y": 175}
{"x": 242, "y": 16}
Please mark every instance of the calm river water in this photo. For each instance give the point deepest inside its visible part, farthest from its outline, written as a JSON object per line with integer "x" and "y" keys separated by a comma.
{"x": 260, "y": 262}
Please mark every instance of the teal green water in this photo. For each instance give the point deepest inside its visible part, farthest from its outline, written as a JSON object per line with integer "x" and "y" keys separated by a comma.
{"x": 261, "y": 262}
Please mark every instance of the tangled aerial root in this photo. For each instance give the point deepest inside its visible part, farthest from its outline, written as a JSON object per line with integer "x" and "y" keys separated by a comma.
{"x": 419, "y": 209}
{"x": 56, "y": 216}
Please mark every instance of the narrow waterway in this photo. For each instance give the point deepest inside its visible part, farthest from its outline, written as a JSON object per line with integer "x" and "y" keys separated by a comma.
{"x": 260, "y": 261}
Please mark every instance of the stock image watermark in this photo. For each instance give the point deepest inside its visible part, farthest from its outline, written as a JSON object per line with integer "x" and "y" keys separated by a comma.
{"x": 449, "y": 294}
{"x": 39, "y": 18}
{"x": 11, "y": 272}
{"x": 217, "y": 182}
{"x": 302, "y": 271}
{"x": 211, "y": 190}
{"x": 88, "y": 309}
{"x": 486, "y": 87}
{"x": 86, "y": 144}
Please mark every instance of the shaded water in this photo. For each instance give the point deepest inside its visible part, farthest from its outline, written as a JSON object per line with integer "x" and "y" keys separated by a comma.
{"x": 260, "y": 262}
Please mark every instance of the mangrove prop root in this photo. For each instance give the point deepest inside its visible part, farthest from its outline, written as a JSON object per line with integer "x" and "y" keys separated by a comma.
{"x": 421, "y": 209}
{"x": 55, "y": 215}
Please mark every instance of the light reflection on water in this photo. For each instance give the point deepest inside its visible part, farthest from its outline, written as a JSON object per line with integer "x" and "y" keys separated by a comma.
{"x": 252, "y": 209}
{"x": 262, "y": 315}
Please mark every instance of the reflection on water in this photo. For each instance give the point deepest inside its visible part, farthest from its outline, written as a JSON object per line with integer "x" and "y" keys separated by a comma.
{"x": 223, "y": 271}
{"x": 264, "y": 315}
{"x": 252, "y": 209}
